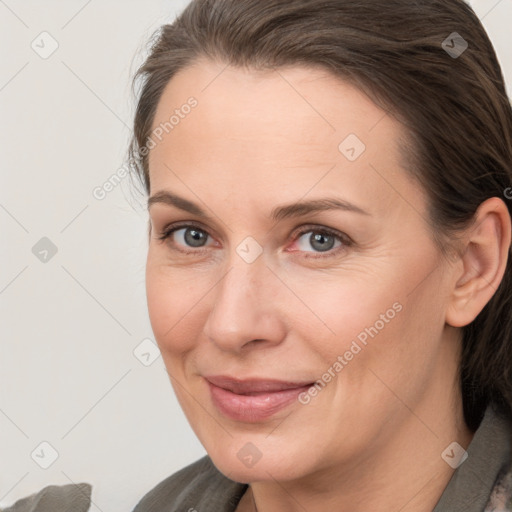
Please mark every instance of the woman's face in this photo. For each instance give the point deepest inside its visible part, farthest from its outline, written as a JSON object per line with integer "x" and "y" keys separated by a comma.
{"x": 253, "y": 298}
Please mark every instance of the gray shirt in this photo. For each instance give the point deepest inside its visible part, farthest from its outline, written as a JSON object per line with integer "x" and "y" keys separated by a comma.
{"x": 482, "y": 483}
{"x": 56, "y": 498}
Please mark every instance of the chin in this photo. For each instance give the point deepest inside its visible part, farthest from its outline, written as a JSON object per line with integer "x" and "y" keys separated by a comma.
{"x": 249, "y": 464}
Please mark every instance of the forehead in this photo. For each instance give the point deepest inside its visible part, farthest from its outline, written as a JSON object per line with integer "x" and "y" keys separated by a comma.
{"x": 294, "y": 127}
{"x": 307, "y": 102}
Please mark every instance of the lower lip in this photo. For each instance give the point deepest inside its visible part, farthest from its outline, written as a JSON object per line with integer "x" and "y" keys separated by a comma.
{"x": 253, "y": 408}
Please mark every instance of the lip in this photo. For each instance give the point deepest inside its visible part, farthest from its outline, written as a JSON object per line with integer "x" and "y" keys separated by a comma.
{"x": 253, "y": 400}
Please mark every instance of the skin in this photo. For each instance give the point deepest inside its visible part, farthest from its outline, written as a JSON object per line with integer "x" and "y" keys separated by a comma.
{"x": 372, "y": 438}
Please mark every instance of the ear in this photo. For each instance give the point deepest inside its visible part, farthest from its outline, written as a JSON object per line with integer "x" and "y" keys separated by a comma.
{"x": 486, "y": 248}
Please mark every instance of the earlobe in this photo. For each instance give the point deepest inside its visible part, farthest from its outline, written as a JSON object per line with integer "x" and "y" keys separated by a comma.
{"x": 484, "y": 260}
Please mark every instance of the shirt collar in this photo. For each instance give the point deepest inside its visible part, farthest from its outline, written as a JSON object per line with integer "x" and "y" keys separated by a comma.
{"x": 489, "y": 455}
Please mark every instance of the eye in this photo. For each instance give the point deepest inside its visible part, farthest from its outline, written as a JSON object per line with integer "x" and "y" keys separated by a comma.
{"x": 185, "y": 235}
{"x": 321, "y": 240}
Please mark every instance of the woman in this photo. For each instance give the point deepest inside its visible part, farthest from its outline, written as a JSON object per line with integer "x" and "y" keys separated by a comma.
{"x": 328, "y": 277}
{"x": 328, "y": 273}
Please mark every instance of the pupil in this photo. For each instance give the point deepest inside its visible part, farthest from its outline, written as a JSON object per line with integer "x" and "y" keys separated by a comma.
{"x": 321, "y": 238}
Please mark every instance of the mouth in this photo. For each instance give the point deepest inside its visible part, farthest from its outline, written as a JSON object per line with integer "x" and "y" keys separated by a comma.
{"x": 253, "y": 400}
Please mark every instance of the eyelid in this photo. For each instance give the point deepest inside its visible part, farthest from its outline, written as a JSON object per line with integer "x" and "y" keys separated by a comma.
{"x": 321, "y": 229}
{"x": 174, "y": 226}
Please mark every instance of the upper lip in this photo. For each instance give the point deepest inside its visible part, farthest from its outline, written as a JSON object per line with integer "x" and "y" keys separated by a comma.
{"x": 256, "y": 385}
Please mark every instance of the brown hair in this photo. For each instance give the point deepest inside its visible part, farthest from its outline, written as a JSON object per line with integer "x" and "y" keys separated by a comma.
{"x": 455, "y": 109}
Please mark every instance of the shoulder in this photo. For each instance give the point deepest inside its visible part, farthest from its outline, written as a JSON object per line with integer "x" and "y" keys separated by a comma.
{"x": 198, "y": 485}
{"x": 55, "y": 498}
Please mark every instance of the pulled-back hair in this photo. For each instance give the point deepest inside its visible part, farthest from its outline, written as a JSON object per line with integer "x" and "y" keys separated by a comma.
{"x": 454, "y": 107}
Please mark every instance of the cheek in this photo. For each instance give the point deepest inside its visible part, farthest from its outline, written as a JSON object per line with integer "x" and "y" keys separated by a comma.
{"x": 401, "y": 344}
{"x": 372, "y": 320}
{"x": 344, "y": 310}
{"x": 174, "y": 305}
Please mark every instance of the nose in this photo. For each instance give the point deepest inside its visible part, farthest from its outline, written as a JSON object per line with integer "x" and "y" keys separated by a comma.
{"x": 245, "y": 311}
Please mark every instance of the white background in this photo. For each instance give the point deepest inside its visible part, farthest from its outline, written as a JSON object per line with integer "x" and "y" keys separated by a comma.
{"x": 68, "y": 374}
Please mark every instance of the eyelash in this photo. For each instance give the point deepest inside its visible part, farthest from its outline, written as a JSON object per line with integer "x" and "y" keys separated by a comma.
{"x": 344, "y": 239}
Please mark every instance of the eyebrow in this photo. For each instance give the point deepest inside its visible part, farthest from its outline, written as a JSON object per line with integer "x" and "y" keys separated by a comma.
{"x": 278, "y": 213}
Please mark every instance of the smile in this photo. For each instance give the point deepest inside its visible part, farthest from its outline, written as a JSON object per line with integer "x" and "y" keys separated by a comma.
{"x": 253, "y": 400}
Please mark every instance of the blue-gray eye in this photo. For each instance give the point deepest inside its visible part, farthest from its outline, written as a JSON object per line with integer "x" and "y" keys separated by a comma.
{"x": 191, "y": 236}
{"x": 321, "y": 241}
{"x": 188, "y": 236}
